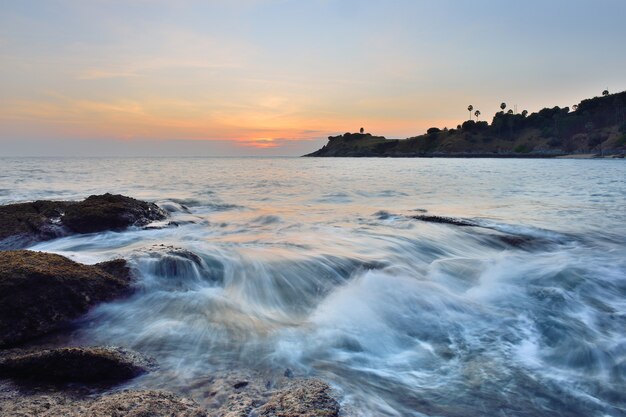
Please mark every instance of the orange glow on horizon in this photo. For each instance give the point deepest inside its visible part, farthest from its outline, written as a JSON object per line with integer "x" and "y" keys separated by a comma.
{"x": 169, "y": 119}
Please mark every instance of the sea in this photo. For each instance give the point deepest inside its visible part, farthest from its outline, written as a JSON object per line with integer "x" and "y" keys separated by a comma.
{"x": 322, "y": 267}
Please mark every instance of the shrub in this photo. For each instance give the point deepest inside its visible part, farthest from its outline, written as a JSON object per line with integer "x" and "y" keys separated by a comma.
{"x": 521, "y": 149}
{"x": 433, "y": 130}
{"x": 595, "y": 139}
{"x": 555, "y": 142}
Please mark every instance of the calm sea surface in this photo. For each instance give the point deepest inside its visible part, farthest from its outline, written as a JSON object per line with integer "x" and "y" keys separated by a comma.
{"x": 316, "y": 266}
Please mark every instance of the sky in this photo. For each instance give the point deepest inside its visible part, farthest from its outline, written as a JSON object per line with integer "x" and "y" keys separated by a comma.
{"x": 277, "y": 77}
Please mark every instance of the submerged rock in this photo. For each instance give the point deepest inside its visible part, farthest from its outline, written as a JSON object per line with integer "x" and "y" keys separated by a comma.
{"x": 75, "y": 364}
{"x": 39, "y": 292}
{"x": 121, "y": 404}
{"x": 23, "y": 224}
{"x": 444, "y": 220}
{"x": 306, "y": 398}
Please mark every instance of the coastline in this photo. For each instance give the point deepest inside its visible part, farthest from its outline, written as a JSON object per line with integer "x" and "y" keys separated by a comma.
{"x": 475, "y": 155}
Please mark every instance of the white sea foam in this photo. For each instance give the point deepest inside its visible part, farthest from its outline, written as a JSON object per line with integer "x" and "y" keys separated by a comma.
{"x": 322, "y": 273}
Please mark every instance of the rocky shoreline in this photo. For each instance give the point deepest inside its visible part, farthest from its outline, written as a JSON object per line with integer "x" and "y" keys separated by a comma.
{"x": 43, "y": 294}
{"x": 23, "y": 224}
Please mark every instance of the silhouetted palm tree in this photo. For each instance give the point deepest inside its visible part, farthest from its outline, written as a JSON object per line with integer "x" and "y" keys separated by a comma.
{"x": 524, "y": 113}
{"x": 575, "y": 107}
{"x": 477, "y": 113}
{"x": 510, "y": 111}
{"x": 469, "y": 109}
{"x": 362, "y": 130}
{"x": 503, "y": 106}
{"x": 605, "y": 93}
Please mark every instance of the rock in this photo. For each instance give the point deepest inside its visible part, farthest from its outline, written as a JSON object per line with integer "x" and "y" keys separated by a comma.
{"x": 444, "y": 220}
{"x": 23, "y": 224}
{"x": 140, "y": 404}
{"x": 39, "y": 292}
{"x": 98, "y": 213}
{"x": 240, "y": 384}
{"x": 75, "y": 364}
{"x": 121, "y": 404}
{"x": 306, "y": 398}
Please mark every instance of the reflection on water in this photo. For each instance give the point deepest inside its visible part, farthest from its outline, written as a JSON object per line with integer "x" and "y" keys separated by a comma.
{"x": 316, "y": 266}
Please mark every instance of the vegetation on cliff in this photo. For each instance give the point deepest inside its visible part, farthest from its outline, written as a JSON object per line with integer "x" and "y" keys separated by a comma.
{"x": 596, "y": 125}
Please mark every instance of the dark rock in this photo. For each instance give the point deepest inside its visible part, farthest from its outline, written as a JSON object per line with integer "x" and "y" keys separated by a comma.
{"x": 117, "y": 267}
{"x": 110, "y": 212}
{"x": 23, "y": 224}
{"x": 444, "y": 220}
{"x": 75, "y": 364}
{"x": 305, "y": 398}
{"x": 121, "y": 404}
{"x": 39, "y": 292}
{"x": 240, "y": 384}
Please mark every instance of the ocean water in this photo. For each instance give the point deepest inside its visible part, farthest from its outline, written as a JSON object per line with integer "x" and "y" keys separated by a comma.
{"x": 316, "y": 267}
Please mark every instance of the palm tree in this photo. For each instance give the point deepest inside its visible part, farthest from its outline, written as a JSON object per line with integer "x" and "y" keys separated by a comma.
{"x": 477, "y": 113}
{"x": 469, "y": 109}
{"x": 510, "y": 111}
{"x": 503, "y": 106}
{"x": 362, "y": 130}
{"x": 605, "y": 93}
{"x": 575, "y": 107}
{"x": 524, "y": 113}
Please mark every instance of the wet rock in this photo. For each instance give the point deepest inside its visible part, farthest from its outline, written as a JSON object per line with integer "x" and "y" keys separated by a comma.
{"x": 98, "y": 213}
{"x": 382, "y": 215}
{"x": 122, "y": 404}
{"x": 40, "y": 292}
{"x": 23, "y": 224}
{"x": 240, "y": 384}
{"x": 305, "y": 398}
{"x": 444, "y": 220}
{"x": 75, "y": 364}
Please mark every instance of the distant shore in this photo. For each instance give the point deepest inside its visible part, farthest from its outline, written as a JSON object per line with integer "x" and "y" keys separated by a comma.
{"x": 593, "y": 128}
{"x": 478, "y": 155}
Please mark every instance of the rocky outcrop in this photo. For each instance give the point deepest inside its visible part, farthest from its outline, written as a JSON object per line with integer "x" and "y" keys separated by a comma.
{"x": 74, "y": 364}
{"x": 305, "y": 398}
{"x": 39, "y": 292}
{"x": 26, "y": 223}
{"x": 444, "y": 220}
{"x": 121, "y": 404}
{"x": 595, "y": 126}
{"x": 110, "y": 212}
{"x": 23, "y": 224}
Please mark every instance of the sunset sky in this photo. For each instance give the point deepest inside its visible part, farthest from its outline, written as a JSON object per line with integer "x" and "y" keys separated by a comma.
{"x": 276, "y": 77}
